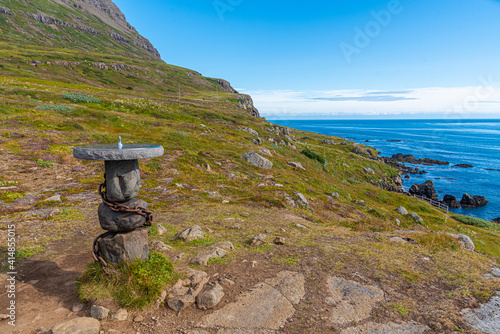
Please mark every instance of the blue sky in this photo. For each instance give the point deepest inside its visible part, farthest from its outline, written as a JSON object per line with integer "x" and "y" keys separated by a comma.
{"x": 405, "y": 58}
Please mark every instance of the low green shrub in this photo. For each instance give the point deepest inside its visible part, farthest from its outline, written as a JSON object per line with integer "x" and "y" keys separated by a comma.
{"x": 134, "y": 285}
{"x": 45, "y": 107}
{"x": 80, "y": 98}
{"x": 312, "y": 155}
{"x": 478, "y": 222}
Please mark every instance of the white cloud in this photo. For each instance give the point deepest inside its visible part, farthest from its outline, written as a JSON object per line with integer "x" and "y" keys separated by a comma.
{"x": 460, "y": 101}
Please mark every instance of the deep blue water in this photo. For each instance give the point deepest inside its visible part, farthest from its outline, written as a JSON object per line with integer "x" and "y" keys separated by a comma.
{"x": 475, "y": 142}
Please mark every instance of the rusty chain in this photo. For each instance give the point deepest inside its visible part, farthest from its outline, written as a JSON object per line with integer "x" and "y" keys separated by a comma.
{"x": 116, "y": 207}
{"x": 96, "y": 253}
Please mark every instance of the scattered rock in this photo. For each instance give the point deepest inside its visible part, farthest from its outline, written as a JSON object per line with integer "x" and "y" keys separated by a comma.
{"x": 55, "y": 198}
{"x": 402, "y": 210}
{"x": 265, "y": 151}
{"x": 179, "y": 303}
{"x": 267, "y": 306}
{"x": 463, "y": 165}
{"x": 389, "y": 328}
{"x": 78, "y": 326}
{"x": 251, "y": 131}
{"x": 226, "y": 282}
{"x": 473, "y": 201}
{"x": 485, "y": 319}
{"x": 496, "y": 220}
{"x": 120, "y": 315}
{"x": 398, "y": 240}
{"x": 361, "y": 203}
{"x": 159, "y": 246}
{"x": 202, "y": 258}
{"x": 99, "y": 312}
{"x": 279, "y": 240}
{"x": 352, "y": 301}
{"x": 178, "y": 289}
{"x": 138, "y": 318}
{"x": 227, "y": 245}
{"x": 192, "y": 233}
{"x": 326, "y": 141}
{"x": 425, "y": 189}
{"x": 368, "y": 170}
{"x": 210, "y": 297}
{"x": 451, "y": 201}
{"x": 301, "y": 226}
{"x": 302, "y": 200}
{"x": 335, "y": 195}
{"x": 346, "y": 165}
{"x": 77, "y": 307}
{"x": 296, "y": 165}
{"x": 464, "y": 241}
{"x": 161, "y": 229}
{"x": 178, "y": 257}
{"x": 258, "y": 240}
{"x": 416, "y": 217}
{"x": 256, "y": 160}
{"x": 196, "y": 276}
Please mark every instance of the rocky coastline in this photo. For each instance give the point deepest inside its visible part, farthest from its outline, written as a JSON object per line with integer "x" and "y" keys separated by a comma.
{"x": 427, "y": 188}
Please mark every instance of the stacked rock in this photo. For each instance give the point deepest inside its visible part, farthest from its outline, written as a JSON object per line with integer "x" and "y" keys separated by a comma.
{"x": 128, "y": 239}
{"x": 124, "y": 217}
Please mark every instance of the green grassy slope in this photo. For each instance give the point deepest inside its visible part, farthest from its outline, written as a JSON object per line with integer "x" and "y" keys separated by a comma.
{"x": 140, "y": 102}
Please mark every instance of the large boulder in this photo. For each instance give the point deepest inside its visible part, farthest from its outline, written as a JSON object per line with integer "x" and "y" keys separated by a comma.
{"x": 425, "y": 189}
{"x": 122, "y": 180}
{"x": 451, "y": 201}
{"x": 469, "y": 201}
{"x": 127, "y": 247}
{"x": 210, "y": 297}
{"x": 256, "y": 160}
{"x": 121, "y": 221}
{"x": 402, "y": 210}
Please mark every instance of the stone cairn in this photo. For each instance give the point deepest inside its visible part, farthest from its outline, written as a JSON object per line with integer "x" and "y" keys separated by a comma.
{"x": 124, "y": 217}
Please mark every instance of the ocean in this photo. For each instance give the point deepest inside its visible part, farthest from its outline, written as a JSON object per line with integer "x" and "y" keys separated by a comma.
{"x": 474, "y": 142}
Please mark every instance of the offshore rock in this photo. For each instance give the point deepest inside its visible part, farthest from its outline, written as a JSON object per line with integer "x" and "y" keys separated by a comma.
{"x": 120, "y": 221}
{"x": 469, "y": 201}
{"x": 122, "y": 180}
{"x": 127, "y": 247}
{"x": 451, "y": 201}
{"x": 425, "y": 189}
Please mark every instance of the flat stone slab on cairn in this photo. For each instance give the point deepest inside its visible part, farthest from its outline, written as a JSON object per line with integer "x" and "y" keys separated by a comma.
{"x": 127, "y": 247}
{"x": 121, "y": 221}
{"x": 111, "y": 152}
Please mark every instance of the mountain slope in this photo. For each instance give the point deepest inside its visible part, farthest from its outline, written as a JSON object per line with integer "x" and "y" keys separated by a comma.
{"x": 73, "y": 24}
{"x": 90, "y": 41}
{"x": 337, "y": 220}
